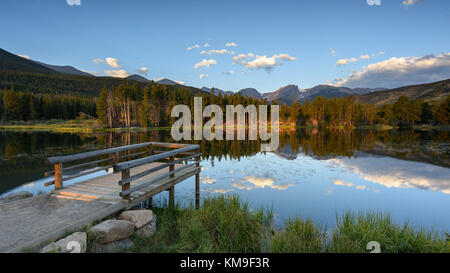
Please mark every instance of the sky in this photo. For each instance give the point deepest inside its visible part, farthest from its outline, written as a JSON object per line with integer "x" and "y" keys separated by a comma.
{"x": 233, "y": 45}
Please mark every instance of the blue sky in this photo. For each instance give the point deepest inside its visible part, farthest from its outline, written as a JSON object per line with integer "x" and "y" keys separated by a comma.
{"x": 356, "y": 43}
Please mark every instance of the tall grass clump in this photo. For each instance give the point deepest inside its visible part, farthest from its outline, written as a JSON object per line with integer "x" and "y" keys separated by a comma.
{"x": 354, "y": 231}
{"x": 222, "y": 224}
{"x": 299, "y": 236}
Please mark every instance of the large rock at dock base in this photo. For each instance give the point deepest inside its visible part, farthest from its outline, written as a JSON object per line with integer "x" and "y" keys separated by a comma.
{"x": 139, "y": 217}
{"x": 149, "y": 229}
{"x": 114, "y": 247}
{"x": 75, "y": 243}
{"x": 112, "y": 230}
{"x": 15, "y": 196}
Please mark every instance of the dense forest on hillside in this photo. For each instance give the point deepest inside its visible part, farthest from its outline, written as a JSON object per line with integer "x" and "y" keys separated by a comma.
{"x": 149, "y": 105}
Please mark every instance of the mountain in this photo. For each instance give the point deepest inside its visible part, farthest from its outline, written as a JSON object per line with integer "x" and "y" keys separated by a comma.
{"x": 286, "y": 94}
{"x": 328, "y": 91}
{"x": 217, "y": 91}
{"x": 367, "y": 90}
{"x": 167, "y": 82}
{"x": 250, "y": 92}
{"x": 430, "y": 92}
{"x": 137, "y": 78}
{"x": 66, "y": 69}
{"x": 11, "y": 62}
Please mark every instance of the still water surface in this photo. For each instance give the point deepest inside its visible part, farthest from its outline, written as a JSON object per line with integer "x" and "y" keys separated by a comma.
{"x": 313, "y": 174}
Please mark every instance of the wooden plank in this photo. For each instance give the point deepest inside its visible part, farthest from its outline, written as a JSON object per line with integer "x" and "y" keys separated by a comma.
{"x": 160, "y": 167}
{"x": 126, "y": 187}
{"x": 141, "y": 161}
{"x": 156, "y": 179}
{"x": 67, "y": 158}
{"x": 160, "y": 187}
{"x": 58, "y": 176}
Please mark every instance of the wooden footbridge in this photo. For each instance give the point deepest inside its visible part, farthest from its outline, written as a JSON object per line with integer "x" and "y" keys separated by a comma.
{"x": 29, "y": 223}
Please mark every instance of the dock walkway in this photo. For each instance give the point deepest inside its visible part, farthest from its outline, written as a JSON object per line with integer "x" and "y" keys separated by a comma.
{"x": 30, "y": 223}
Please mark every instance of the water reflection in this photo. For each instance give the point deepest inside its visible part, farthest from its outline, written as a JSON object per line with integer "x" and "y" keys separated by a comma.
{"x": 312, "y": 174}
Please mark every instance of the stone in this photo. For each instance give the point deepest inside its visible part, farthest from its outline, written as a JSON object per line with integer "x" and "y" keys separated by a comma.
{"x": 149, "y": 229}
{"x": 112, "y": 230}
{"x": 139, "y": 217}
{"x": 114, "y": 247}
{"x": 15, "y": 196}
{"x": 75, "y": 243}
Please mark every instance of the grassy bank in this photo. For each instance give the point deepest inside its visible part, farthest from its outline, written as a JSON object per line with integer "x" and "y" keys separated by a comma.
{"x": 225, "y": 224}
{"x": 56, "y": 125}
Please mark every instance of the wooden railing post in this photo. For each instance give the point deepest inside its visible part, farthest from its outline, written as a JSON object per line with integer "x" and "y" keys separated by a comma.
{"x": 58, "y": 176}
{"x": 171, "y": 189}
{"x": 197, "y": 184}
{"x": 126, "y": 174}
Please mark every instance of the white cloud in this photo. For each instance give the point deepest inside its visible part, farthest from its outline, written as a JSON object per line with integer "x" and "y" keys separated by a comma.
{"x": 179, "y": 82}
{"x": 373, "y": 2}
{"x": 113, "y": 62}
{"x": 192, "y": 47}
{"x": 98, "y": 61}
{"x": 410, "y": 2}
{"x": 73, "y": 2}
{"x": 142, "y": 70}
{"x": 206, "y": 63}
{"x": 364, "y": 57}
{"x": 267, "y": 63}
{"x": 333, "y": 52}
{"x": 400, "y": 71}
{"x": 342, "y": 62}
{"x": 243, "y": 57}
{"x": 396, "y": 173}
{"x": 217, "y": 51}
{"x": 231, "y": 72}
{"x": 231, "y": 44}
{"x": 117, "y": 73}
{"x": 206, "y": 45}
{"x": 25, "y": 56}
{"x": 203, "y": 76}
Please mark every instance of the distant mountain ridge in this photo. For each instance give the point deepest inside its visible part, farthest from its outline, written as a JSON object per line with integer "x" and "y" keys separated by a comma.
{"x": 431, "y": 92}
{"x": 217, "y": 91}
{"x": 66, "y": 69}
{"x": 137, "y": 78}
{"x": 250, "y": 92}
{"x": 11, "y": 62}
{"x": 167, "y": 82}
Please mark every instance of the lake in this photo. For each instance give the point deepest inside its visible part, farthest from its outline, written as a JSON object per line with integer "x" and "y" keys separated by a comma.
{"x": 313, "y": 174}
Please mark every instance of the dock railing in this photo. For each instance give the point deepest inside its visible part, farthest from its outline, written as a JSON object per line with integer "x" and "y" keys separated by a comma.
{"x": 188, "y": 153}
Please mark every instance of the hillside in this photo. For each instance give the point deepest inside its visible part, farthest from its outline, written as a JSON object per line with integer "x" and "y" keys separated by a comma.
{"x": 430, "y": 92}
{"x": 66, "y": 69}
{"x": 11, "y": 62}
{"x": 137, "y": 78}
{"x": 250, "y": 92}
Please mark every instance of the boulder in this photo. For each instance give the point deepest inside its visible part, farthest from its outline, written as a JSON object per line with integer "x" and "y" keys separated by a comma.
{"x": 139, "y": 217}
{"x": 15, "y": 196}
{"x": 112, "y": 230}
{"x": 149, "y": 229}
{"x": 114, "y": 247}
{"x": 75, "y": 243}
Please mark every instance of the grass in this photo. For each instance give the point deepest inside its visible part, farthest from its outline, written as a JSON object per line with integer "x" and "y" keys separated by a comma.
{"x": 353, "y": 232}
{"x": 75, "y": 125}
{"x": 226, "y": 224}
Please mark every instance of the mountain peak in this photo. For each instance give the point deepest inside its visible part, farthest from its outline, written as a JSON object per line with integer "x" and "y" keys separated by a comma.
{"x": 137, "y": 78}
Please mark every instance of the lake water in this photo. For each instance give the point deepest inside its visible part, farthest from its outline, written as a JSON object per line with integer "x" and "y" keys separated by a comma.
{"x": 313, "y": 174}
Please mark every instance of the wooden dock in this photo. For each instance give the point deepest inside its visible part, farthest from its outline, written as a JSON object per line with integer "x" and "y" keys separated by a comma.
{"x": 30, "y": 223}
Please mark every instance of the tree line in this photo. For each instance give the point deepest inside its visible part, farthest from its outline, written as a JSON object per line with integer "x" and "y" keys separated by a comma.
{"x": 149, "y": 105}
{"x": 15, "y": 105}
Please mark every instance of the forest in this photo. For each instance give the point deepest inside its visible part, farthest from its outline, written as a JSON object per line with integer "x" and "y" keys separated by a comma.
{"x": 131, "y": 104}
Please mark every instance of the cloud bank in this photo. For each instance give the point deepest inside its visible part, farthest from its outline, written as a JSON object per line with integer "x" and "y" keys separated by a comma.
{"x": 205, "y": 63}
{"x": 142, "y": 71}
{"x": 400, "y": 71}
{"x": 267, "y": 63}
{"x": 73, "y": 2}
